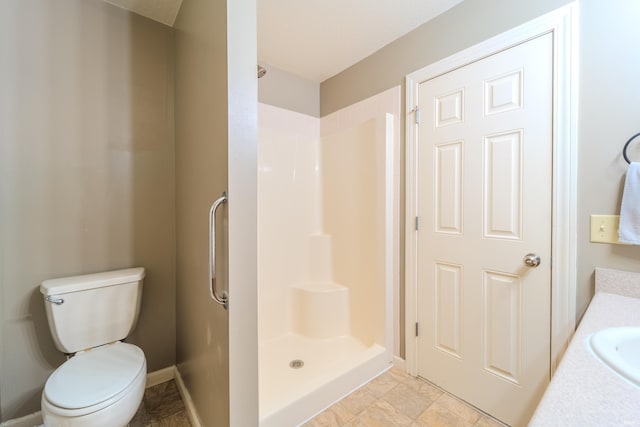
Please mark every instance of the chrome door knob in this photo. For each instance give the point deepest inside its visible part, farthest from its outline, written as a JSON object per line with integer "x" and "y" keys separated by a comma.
{"x": 531, "y": 260}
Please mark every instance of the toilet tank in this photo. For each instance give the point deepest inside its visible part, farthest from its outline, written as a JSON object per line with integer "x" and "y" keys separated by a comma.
{"x": 94, "y": 309}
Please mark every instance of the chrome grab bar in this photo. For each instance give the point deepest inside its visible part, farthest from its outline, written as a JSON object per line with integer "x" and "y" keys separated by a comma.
{"x": 223, "y": 299}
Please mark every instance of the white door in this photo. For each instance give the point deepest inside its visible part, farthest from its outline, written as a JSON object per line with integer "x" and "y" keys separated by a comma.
{"x": 484, "y": 203}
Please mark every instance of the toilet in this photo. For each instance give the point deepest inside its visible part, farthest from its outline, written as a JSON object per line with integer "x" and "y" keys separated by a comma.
{"x": 103, "y": 380}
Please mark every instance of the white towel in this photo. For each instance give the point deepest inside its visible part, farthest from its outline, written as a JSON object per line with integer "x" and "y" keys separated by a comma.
{"x": 629, "y": 230}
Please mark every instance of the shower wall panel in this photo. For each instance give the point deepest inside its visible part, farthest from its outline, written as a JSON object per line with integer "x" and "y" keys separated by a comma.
{"x": 292, "y": 202}
{"x": 289, "y": 210}
{"x": 375, "y": 107}
{"x": 353, "y": 180}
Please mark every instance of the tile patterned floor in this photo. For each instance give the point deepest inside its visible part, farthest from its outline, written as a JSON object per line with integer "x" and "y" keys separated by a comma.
{"x": 161, "y": 407}
{"x": 392, "y": 399}
{"x": 397, "y": 399}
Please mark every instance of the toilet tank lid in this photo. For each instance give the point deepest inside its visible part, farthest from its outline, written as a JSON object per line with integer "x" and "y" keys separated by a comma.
{"x": 65, "y": 285}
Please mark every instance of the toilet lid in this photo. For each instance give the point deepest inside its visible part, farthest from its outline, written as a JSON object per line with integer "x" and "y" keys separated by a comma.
{"x": 93, "y": 376}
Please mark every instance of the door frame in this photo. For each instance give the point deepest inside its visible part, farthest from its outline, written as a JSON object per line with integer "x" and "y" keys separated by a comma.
{"x": 562, "y": 23}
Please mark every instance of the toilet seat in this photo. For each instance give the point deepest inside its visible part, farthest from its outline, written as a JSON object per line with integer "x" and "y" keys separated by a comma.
{"x": 95, "y": 379}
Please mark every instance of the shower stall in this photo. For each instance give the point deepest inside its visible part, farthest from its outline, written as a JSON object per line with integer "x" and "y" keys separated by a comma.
{"x": 325, "y": 260}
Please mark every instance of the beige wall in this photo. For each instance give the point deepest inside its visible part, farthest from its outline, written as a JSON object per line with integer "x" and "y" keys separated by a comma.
{"x": 462, "y": 26}
{"x": 216, "y": 149}
{"x": 608, "y": 116}
{"x": 285, "y": 90}
{"x": 86, "y": 174}
{"x": 607, "y": 101}
{"x": 201, "y": 176}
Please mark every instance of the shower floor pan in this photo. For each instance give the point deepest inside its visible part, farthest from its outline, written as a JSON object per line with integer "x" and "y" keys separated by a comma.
{"x": 331, "y": 368}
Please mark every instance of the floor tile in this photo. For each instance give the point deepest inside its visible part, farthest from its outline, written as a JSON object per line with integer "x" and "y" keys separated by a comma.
{"x": 402, "y": 377}
{"x": 176, "y": 420}
{"x": 458, "y": 407}
{"x": 437, "y": 415}
{"x": 409, "y": 401}
{"x": 380, "y": 414}
{"x": 398, "y": 399}
{"x": 486, "y": 421}
{"x": 382, "y": 384}
{"x": 357, "y": 401}
{"x": 394, "y": 399}
{"x": 162, "y": 401}
{"x": 161, "y": 406}
{"x": 140, "y": 418}
{"x": 334, "y": 416}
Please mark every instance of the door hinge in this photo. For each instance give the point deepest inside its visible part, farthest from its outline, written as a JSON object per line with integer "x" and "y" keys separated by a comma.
{"x": 417, "y": 223}
{"x": 417, "y": 114}
{"x": 416, "y": 328}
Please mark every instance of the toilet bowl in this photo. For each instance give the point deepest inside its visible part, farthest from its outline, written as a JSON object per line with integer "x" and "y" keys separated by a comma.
{"x": 99, "y": 387}
{"x": 103, "y": 382}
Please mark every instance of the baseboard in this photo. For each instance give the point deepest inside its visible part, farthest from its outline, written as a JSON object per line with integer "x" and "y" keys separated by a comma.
{"x": 186, "y": 399}
{"x": 399, "y": 363}
{"x": 153, "y": 378}
{"x": 31, "y": 420}
{"x": 160, "y": 376}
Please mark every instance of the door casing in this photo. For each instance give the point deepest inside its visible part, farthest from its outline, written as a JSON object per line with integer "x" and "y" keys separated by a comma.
{"x": 562, "y": 23}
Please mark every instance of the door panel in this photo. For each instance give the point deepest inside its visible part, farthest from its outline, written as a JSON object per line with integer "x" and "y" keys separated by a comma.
{"x": 448, "y": 289}
{"x": 484, "y": 200}
{"x": 448, "y": 186}
{"x": 502, "y": 189}
{"x": 501, "y": 320}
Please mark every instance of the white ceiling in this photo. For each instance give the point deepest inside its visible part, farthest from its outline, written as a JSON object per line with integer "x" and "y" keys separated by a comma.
{"x": 317, "y": 39}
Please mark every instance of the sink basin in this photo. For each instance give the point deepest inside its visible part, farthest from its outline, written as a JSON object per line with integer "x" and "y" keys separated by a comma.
{"x": 619, "y": 349}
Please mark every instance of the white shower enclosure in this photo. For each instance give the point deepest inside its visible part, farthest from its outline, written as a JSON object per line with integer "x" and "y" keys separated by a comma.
{"x": 325, "y": 260}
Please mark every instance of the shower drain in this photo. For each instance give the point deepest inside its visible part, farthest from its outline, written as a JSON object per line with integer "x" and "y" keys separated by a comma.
{"x": 296, "y": 364}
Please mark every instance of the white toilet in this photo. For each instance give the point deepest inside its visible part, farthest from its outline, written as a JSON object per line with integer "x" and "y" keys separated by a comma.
{"x": 103, "y": 381}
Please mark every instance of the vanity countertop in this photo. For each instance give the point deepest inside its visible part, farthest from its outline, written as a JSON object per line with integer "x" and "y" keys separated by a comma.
{"x": 584, "y": 392}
